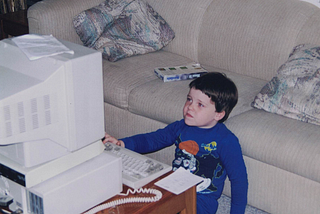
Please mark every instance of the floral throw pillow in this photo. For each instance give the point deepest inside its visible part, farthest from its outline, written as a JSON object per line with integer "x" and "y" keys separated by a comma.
{"x": 90, "y": 24}
{"x": 137, "y": 29}
{"x": 295, "y": 91}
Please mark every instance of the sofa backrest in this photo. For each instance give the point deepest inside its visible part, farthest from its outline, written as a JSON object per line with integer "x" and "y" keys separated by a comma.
{"x": 250, "y": 37}
{"x": 185, "y": 17}
{"x": 255, "y": 37}
{"x": 55, "y": 17}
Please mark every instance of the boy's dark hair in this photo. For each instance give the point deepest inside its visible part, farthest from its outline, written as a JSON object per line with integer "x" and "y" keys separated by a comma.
{"x": 220, "y": 89}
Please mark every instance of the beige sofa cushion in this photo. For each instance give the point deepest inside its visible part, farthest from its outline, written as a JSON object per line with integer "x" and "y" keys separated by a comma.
{"x": 247, "y": 87}
{"x": 164, "y": 101}
{"x": 159, "y": 100}
{"x": 132, "y": 84}
{"x": 121, "y": 77}
{"x": 282, "y": 142}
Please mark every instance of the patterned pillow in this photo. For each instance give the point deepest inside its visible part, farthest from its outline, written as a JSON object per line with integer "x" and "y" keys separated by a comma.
{"x": 295, "y": 91}
{"x": 91, "y": 23}
{"x": 138, "y": 29}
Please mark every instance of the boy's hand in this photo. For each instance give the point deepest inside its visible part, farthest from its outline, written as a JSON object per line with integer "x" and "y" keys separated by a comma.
{"x": 110, "y": 139}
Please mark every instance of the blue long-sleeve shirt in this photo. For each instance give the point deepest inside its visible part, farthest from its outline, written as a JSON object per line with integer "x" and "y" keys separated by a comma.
{"x": 213, "y": 154}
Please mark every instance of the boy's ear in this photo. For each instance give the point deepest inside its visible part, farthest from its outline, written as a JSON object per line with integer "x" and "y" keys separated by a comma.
{"x": 220, "y": 115}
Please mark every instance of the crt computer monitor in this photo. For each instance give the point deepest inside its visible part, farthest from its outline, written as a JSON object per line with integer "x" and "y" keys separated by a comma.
{"x": 49, "y": 107}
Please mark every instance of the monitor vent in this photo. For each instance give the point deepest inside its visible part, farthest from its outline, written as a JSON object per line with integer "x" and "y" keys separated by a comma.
{"x": 7, "y": 121}
{"x": 25, "y": 115}
{"x": 35, "y": 121}
{"x": 48, "y": 117}
{"x": 22, "y": 125}
{"x": 8, "y": 129}
{"x": 34, "y": 112}
{"x": 46, "y": 100}
{"x": 22, "y": 122}
{"x": 47, "y": 107}
{"x": 20, "y": 109}
{"x": 7, "y": 113}
{"x": 34, "y": 105}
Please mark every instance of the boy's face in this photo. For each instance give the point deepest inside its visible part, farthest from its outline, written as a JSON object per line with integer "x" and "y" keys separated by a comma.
{"x": 200, "y": 111}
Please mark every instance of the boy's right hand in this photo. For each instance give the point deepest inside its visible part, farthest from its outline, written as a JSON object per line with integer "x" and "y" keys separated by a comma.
{"x": 110, "y": 139}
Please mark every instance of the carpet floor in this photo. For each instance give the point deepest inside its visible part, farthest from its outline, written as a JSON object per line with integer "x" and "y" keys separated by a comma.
{"x": 224, "y": 207}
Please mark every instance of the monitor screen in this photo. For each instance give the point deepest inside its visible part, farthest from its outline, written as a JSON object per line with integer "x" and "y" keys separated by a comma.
{"x": 51, "y": 106}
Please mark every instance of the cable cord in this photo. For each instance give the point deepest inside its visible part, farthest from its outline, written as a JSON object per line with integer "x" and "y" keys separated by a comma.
{"x": 157, "y": 197}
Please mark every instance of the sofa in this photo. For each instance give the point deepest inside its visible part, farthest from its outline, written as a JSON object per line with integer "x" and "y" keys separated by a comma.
{"x": 249, "y": 41}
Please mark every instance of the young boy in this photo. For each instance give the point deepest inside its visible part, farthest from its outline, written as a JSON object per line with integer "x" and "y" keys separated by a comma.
{"x": 204, "y": 145}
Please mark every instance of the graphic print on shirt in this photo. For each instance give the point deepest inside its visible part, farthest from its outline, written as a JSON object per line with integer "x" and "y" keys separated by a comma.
{"x": 202, "y": 161}
{"x": 210, "y": 147}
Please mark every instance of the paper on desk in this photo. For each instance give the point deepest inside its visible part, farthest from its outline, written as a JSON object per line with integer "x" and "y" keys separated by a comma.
{"x": 179, "y": 181}
{"x": 38, "y": 46}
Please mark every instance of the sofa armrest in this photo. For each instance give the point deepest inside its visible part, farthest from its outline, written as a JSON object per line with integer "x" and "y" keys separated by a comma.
{"x": 55, "y": 17}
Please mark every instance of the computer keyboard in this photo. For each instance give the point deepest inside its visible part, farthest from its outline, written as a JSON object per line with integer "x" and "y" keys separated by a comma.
{"x": 137, "y": 169}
